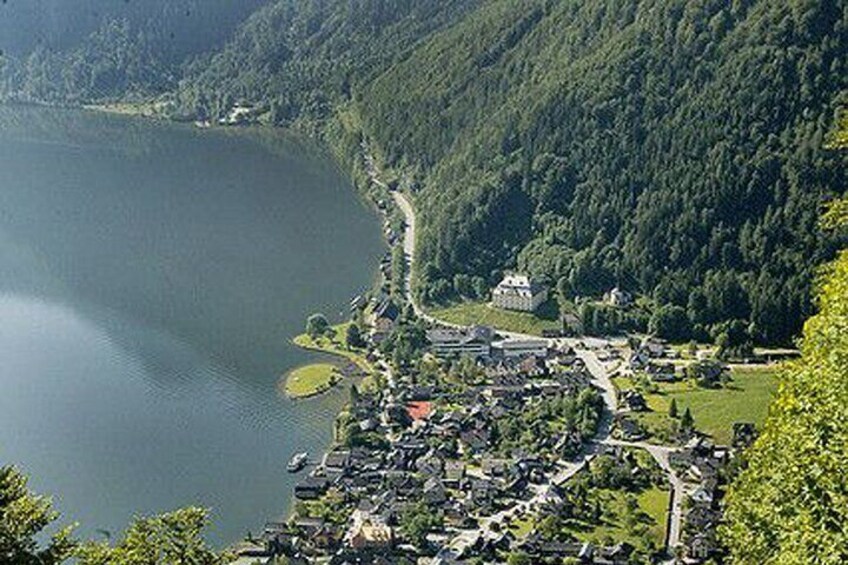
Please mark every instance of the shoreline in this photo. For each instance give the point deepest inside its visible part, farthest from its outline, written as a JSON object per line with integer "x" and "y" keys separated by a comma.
{"x": 144, "y": 110}
{"x": 368, "y": 374}
{"x": 320, "y": 378}
{"x": 244, "y": 133}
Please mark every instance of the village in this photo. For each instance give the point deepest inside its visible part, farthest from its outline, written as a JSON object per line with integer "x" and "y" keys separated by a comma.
{"x": 474, "y": 445}
{"x": 465, "y": 449}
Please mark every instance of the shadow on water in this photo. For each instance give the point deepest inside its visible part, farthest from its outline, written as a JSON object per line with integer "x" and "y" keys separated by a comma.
{"x": 196, "y": 256}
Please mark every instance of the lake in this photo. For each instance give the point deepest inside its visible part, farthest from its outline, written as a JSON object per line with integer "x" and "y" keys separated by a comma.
{"x": 151, "y": 276}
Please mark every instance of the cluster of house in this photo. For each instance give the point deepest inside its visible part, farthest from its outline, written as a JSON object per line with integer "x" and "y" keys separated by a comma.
{"x": 436, "y": 445}
{"x": 654, "y": 358}
{"x": 382, "y": 315}
{"x": 700, "y": 463}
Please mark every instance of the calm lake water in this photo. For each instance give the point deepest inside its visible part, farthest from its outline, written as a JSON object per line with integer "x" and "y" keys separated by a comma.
{"x": 150, "y": 278}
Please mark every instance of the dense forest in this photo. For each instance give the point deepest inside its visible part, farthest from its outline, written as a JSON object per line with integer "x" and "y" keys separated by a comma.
{"x": 91, "y": 50}
{"x": 790, "y": 505}
{"x": 302, "y": 60}
{"x": 670, "y": 147}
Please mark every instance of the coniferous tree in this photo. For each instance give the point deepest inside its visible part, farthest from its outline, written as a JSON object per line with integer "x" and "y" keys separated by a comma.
{"x": 672, "y": 408}
{"x": 687, "y": 422}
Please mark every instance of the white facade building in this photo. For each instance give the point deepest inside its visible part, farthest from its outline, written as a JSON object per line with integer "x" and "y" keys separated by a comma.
{"x": 475, "y": 341}
{"x": 618, "y": 297}
{"x": 522, "y": 348}
{"x": 519, "y": 292}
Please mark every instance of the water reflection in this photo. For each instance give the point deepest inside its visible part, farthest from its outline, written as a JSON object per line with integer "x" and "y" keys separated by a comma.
{"x": 150, "y": 277}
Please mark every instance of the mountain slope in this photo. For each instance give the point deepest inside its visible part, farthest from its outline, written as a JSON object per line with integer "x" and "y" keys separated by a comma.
{"x": 300, "y": 59}
{"x": 790, "y": 505}
{"x": 88, "y": 50}
{"x": 671, "y": 147}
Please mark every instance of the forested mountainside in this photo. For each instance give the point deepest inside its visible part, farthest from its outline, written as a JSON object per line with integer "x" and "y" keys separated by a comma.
{"x": 671, "y": 147}
{"x": 790, "y": 505}
{"x": 301, "y": 59}
{"x": 88, "y": 50}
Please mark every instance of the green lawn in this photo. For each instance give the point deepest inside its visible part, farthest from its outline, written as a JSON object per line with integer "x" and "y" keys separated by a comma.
{"x": 335, "y": 345}
{"x": 310, "y": 380}
{"x": 469, "y": 313}
{"x": 744, "y": 399}
{"x": 654, "y": 502}
{"x": 522, "y": 527}
{"x": 647, "y": 526}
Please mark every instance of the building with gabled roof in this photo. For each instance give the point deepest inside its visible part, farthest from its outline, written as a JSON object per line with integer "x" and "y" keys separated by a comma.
{"x": 474, "y": 341}
{"x": 519, "y": 292}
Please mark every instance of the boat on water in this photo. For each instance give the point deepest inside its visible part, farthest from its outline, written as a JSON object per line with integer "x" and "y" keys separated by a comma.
{"x": 298, "y": 462}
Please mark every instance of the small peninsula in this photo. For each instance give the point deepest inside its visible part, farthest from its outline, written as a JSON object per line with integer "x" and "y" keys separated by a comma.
{"x": 311, "y": 380}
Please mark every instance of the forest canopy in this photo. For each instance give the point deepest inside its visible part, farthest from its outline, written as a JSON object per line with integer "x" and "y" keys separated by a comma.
{"x": 790, "y": 505}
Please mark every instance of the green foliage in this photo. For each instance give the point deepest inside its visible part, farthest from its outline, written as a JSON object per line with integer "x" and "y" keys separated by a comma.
{"x": 417, "y": 520}
{"x": 98, "y": 50}
{"x": 405, "y": 343}
{"x": 519, "y": 558}
{"x": 708, "y": 373}
{"x": 397, "y": 284}
{"x": 174, "y": 538}
{"x": 333, "y": 508}
{"x": 734, "y": 340}
{"x": 299, "y": 60}
{"x": 24, "y": 517}
{"x": 590, "y": 513}
{"x": 790, "y": 505}
{"x": 466, "y": 371}
{"x": 603, "y": 319}
{"x": 670, "y": 322}
{"x": 687, "y": 422}
{"x": 530, "y": 429}
{"x": 671, "y": 147}
{"x": 353, "y": 336}
{"x": 168, "y": 539}
{"x": 317, "y": 325}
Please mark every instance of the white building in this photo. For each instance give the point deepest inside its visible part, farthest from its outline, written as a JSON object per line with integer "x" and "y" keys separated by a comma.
{"x": 522, "y": 348}
{"x": 475, "y": 341}
{"x": 618, "y": 297}
{"x": 519, "y": 292}
{"x": 240, "y": 114}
